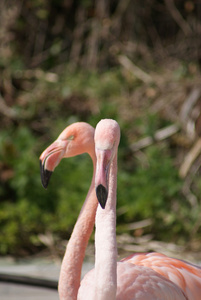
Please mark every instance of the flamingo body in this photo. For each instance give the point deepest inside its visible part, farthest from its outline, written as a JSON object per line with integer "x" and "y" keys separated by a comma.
{"x": 74, "y": 140}
{"x": 135, "y": 283}
{"x": 186, "y": 275}
{"x": 111, "y": 280}
{"x": 141, "y": 276}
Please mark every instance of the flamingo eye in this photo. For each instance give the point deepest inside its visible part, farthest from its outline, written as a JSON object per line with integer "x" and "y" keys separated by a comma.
{"x": 70, "y": 138}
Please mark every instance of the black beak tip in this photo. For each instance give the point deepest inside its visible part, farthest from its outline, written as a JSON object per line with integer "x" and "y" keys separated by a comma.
{"x": 45, "y": 175}
{"x": 101, "y": 193}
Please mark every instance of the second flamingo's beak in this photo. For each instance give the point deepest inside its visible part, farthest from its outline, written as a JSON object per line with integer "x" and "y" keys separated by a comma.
{"x": 50, "y": 158}
{"x": 102, "y": 171}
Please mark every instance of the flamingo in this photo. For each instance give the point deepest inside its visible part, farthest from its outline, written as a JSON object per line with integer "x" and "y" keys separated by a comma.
{"x": 125, "y": 279}
{"x": 75, "y": 139}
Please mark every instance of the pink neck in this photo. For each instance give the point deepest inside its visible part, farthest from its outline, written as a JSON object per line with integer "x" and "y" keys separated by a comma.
{"x": 105, "y": 241}
{"x": 70, "y": 274}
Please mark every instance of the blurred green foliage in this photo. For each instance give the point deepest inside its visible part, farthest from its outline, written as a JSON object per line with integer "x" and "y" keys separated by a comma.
{"x": 148, "y": 185}
{"x": 60, "y": 63}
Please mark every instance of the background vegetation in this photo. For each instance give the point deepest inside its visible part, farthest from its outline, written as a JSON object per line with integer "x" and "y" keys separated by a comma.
{"x": 135, "y": 61}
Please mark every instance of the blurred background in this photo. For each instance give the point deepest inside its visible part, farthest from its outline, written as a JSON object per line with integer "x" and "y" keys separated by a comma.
{"x": 135, "y": 61}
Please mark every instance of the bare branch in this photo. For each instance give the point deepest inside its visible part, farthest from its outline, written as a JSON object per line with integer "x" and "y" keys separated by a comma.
{"x": 160, "y": 135}
{"x": 140, "y": 224}
{"x": 178, "y": 17}
{"x": 78, "y": 36}
{"x": 137, "y": 72}
{"x": 190, "y": 158}
{"x": 189, "y": 103}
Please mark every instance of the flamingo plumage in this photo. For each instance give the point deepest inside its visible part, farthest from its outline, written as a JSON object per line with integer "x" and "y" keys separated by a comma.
{"x": 109, "y": 279}
{"x": 75, "y": 139}
{"x": 186, "y": 275}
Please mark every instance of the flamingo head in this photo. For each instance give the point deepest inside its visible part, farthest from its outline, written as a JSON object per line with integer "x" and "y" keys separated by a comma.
{"x": 107, "y": 137}
{"x": 75, "y": 139}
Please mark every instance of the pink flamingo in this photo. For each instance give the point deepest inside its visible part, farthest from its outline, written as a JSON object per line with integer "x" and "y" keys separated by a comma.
{"x": 76, "y": 139}
{"x": 125, "y": 280}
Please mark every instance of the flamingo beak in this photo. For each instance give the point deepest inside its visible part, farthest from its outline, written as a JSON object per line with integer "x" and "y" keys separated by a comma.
{"x": 50, "y": 158}
{"x": 101, "y": 179}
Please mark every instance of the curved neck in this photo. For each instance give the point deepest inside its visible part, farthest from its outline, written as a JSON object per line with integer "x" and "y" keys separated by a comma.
{"x": 105, "y": 242}
{"x": 70, "y": 274}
